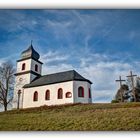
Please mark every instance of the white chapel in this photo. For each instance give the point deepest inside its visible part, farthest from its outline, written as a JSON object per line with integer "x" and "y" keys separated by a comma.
{"x": 32, "y": 89}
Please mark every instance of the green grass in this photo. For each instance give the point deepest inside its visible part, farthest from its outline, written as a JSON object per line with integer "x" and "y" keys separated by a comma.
{"x": 74, "y": 117}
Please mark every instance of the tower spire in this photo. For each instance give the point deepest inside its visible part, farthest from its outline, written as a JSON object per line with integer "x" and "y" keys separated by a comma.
{"x": 30, "y": 52}
{"x": 31, "y": 42}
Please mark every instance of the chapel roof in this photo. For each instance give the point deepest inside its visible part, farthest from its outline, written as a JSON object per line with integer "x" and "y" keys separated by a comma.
{"x": 30, "y": 53}
{"x": 71, "y": 75}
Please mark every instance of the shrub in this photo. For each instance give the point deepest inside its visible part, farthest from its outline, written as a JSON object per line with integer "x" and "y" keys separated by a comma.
{"x": 114, "y": 101}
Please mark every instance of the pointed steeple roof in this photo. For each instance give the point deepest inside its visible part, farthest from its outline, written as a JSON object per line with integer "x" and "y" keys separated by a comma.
{"x": 30, "y": 53}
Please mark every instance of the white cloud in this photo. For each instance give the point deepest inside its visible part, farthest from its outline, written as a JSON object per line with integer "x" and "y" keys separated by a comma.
{"x": 100, "y": 69}
{"x": 18, "y": 20}
{"x": 5, "y": 59}
{"x": 55, "y": 61}
{"x": 1, "y": 61}
{"x": 103, "y": 75}
{"x": 77, "y": 14}
{"x": 48, "y": 69}
{"x": 53, "y": 56}
{"x": 58, "y": 24}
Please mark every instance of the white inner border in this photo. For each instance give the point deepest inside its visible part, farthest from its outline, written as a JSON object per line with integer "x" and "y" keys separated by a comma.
{"x": 68, "y": 4}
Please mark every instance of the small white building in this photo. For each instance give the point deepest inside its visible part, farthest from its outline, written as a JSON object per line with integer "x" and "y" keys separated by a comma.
{"x": 32, "y": 89}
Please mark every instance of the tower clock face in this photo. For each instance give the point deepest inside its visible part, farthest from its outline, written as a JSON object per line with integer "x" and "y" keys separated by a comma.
{"x": 20, "y": 79}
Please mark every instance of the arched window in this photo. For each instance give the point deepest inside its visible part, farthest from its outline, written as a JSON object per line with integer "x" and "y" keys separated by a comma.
{"x": 19, "y": 92}
{"x": 68, "y": 95}
{"x": 80, "y": 92}
{"x": 23, "y": 66}
{"x": 60, "y": 93}
{"x": 36, "y": 67}
{"x": 47, "y": 95}
{"x": 35, "y": 97}
{"x": 89, "y": 93}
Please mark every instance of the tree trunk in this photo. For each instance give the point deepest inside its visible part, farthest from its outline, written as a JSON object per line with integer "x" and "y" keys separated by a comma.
{"x": 5, "y": 107}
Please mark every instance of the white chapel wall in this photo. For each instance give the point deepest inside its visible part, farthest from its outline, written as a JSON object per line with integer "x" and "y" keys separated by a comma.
{"x": 33, "y": 66}
{"x": 28, "y": 95}
{"x": 27, "y": 67}
{"x": 86, "y": 86}
{"x": 20, "y": 81}
{"x": 24, "y": 79}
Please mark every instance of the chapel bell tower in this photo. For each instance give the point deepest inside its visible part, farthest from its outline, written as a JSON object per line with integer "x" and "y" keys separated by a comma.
{"x": 28, "y": 68}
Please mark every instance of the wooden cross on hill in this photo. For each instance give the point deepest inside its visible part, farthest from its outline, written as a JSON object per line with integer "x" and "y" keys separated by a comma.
{"x": 120, "y": 80}
{"x": 132, "y": 81}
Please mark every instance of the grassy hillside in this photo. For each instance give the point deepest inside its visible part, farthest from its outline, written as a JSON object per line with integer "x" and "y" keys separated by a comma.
{"x": 74, "y": 117}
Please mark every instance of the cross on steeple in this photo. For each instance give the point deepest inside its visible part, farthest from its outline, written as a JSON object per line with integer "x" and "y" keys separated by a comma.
{"x": 132, "y": 80}
{"x": 120, "y": 80}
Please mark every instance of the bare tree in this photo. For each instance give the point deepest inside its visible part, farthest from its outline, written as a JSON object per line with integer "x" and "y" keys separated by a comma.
{"x": 121, "y": 94}
{"x": 6, "y": 83}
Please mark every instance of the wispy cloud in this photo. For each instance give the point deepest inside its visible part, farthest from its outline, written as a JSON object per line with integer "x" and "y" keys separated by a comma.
{"x": 49, "y": 69}
{"x": 99, "y": 68}
{"x": 99, "y": 44}
{"x": 77, "y": 14}
{"x": 55, "y": 56}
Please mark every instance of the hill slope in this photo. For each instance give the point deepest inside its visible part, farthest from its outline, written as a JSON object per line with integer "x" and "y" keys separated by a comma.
{"x": 74, "y": 117}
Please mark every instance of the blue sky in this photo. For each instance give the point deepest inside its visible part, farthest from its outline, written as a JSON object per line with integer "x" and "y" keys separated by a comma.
{"x": 99, "y": 44}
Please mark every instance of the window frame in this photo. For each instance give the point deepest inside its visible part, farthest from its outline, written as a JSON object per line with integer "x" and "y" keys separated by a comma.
{"x": 47, "y": 95}
{"x": 81, "y": 95}
{"x": 36, "y": 67}
{"x": 60, "y": 94}
{"x": 23, "y": 66}
{"x": 67, "y": 95}
{"x": 35, "y": 96}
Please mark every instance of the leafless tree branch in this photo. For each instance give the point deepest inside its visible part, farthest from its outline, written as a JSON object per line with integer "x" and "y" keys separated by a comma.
{"x": 6, "y": 83}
